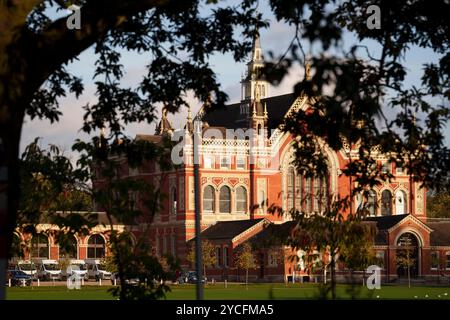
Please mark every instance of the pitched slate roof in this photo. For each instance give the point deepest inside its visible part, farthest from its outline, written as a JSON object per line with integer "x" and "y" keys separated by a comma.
{"x": 273, "y": 234}
{"x": 387, "y": 222}
{"x": 228, "y": 229}
{"x": 149, "y": 138}
{"x": 230, "y": 116}
{"x": 441, "y": 233}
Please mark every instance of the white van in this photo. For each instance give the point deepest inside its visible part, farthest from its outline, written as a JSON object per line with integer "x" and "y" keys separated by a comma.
{"x": 78, "y": 267}
{"x": 97, "y": 270}
{"x": 28, "y": 267}
{"x": 49, "y": 270}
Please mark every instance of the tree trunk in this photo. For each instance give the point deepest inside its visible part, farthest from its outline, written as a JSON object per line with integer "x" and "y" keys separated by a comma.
{"x": 10, "y": 130}
{"x": 246, "y": 278}
{"x": 333, "y": 278}
{"x": 204, "y": 274}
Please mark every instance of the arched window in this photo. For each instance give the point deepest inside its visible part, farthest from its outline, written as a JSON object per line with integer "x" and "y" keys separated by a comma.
{"x": 96, "y": 247}
{"x": 259, "y": 129}
{"x": 225, "y": 200}
{"x": 372, "y": 202}
{"x": 173, "y": 200}
{"x": 308, "y": 202}
{"x": 316, "y": 194}
{"x": 323, "y": 202}
{"x": 400, "y": 202}
{"x": 241, "y": 199}
{"x": 68, "y": 247}
{"x": 39, "y": 246}
{"x": 299, "y": 192}
{"x": 386, "y": 203}
{"x": 290, "y": 189}
{"x": 208, "y": 199}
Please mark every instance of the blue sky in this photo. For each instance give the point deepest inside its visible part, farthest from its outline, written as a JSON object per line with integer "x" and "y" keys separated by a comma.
{"x": 276, "y": 39}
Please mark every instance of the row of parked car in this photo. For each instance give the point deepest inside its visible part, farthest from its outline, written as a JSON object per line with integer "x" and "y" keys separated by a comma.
{"x": 48, "y": 270}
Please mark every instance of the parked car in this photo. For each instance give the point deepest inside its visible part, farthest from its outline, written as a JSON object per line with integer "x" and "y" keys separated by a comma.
{"x": 190, "y": 277}
{"x": 28, "y": 267}
{"x": 19, "y": 278}
{"x": 131, "y": 281}
{"x": 76, "y": 267}
{"x": 97, "y": 270}
{"x": 49, "y": 270}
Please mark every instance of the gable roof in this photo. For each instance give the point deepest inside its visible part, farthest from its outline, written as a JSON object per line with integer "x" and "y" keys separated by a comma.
{"x": 273, "y": 234}
{"x": 230, "y": 116}
{"x": 229, "y": 229}
{"x": 441, "y": 233}
{"x": 386, "y": 222}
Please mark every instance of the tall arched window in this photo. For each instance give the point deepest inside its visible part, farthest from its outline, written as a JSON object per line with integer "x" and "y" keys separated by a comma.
{"x": 299, "y": 192}
{"x": 173, "y": 200}
{"x": 96, "y": 247}
{"x": 323, "y": 202}
{"x": 372, "y": 202}
{"x": 208, "y": 199}
{"x": 241, "y": 199}
{"x": 386, "y": 203}
{"x": 400, "y": 202}
{"x": 69, "y": 247}
{"x": 290, "y": 189}
{"x": 308, "y": 202}
{"x": 225, "y": 200}
{"x": 39, "y": 246}
{"x": 316, "y": 194}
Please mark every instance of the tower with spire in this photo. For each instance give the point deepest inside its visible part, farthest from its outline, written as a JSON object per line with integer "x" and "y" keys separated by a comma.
{"x": 254, "y": 89}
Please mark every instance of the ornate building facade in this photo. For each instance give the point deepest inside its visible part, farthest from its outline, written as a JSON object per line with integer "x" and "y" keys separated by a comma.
{"x": 246, "y": 167}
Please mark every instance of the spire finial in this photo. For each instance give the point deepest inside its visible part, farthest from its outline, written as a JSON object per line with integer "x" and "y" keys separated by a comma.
{"x": 307, "y": 69}
{"x": 265, "y": 109}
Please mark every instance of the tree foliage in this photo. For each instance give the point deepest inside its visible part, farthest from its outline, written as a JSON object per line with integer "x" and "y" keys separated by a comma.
{"x": 244, "y": 258}
{"x": 209, "y": 258}
{"x": 438, "y": 204}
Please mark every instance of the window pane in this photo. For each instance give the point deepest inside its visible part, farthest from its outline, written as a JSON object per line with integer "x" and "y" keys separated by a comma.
{"x": 225, "y": 162}
{"x": 290, "y": 189}
{"x": 371, "y": 203}
{"x": 39, "y": 245}
{"x": 386, "y": 203}
{"x": 96, "y": 246}
{"x": 241, "y": 199}
{"x": 316, "y": 194}
{"x": 299, "y": 192}
{"x": 240, "y": 162}
{"x": 208, "y": 199}
{"x": 225, "y": 200}
{"x": 308, "y": 195}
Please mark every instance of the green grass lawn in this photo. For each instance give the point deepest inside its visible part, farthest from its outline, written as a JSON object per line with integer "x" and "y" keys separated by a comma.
{"x": 234, "y": 291}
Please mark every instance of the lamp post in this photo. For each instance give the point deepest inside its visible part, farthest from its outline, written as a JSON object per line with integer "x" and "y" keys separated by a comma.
{"x": 198, "y": 244}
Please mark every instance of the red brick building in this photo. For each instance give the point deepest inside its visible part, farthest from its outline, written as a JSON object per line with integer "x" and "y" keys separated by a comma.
{"x": 246, "y": 166}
